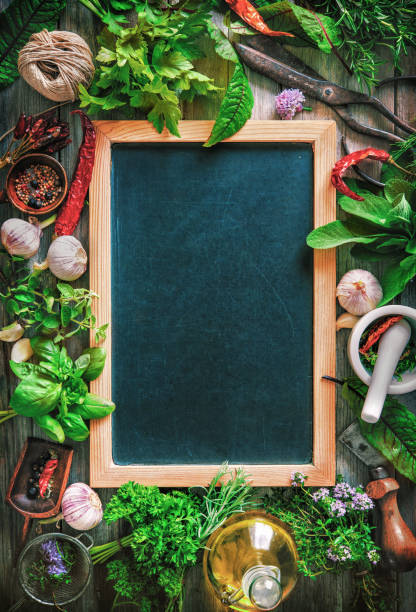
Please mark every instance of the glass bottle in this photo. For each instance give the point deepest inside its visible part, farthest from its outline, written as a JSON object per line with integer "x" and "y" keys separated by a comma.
{"x": 251, "y": 561}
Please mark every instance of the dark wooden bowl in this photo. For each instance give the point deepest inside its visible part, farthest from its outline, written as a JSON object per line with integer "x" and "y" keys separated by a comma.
{"x": 23, "y": 163}
{"x": 17, "y": 492}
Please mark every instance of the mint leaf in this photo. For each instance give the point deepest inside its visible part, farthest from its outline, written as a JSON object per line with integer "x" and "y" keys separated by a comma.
{"x": 235, "y": 110}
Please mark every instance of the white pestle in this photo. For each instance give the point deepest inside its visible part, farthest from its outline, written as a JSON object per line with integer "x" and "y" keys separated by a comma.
{"x": 390, "y": 348}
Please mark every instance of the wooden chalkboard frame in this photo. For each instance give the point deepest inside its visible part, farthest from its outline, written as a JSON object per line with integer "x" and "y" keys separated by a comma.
{"x": 322, "y": 135}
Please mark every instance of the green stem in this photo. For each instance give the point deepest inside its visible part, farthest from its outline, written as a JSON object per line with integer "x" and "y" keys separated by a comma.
{"x": 10, "y": 416}
{"x": 47, "y": 221}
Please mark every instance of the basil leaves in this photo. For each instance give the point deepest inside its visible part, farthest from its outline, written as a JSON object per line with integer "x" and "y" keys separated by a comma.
{"x": 54, "y": 392}
{"x": 381, "y": 229}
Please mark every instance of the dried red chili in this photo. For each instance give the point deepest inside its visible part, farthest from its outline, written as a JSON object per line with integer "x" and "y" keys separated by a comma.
{"x": 344, "y": 163}
{"x": 377, "y": 331}
{"x": 250, "y": 15}
{"x": 19, "y": 130}
{"x": 71, "y": 211}
{"x": 44, "y": 478}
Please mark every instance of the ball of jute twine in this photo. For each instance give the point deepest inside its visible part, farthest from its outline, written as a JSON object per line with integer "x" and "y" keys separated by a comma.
{"x": 55, "y": 63}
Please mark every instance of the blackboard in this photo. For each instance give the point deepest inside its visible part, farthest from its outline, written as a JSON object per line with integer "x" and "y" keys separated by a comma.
{"x": 212, "y": 284}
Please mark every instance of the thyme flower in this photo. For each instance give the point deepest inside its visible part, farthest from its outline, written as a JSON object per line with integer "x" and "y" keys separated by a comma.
{"x": 320, "y": 494}
{"x": 297, "y": 479}
{"x": 373, "y": 556}
{"x": 338, "y": 554}
{"x": 337, "y": 508}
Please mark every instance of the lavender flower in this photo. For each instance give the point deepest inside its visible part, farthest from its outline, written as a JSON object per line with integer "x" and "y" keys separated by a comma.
{"x": 339, "y": 553}
{"x": 320, "y": 494}
{"x": 297, "y": 479}
{"x": 373, "y": 556}
{"x": 289, "y": 102}
{"x": 337, "y": 508}
{"x": 53, "y": 558}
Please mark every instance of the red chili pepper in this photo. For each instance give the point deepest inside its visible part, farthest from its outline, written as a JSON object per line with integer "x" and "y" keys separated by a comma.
{"x": 44, "y": 478}
{"x": 377, "y": 331}
{"x": 70, "y": 212}
{"x": 19, "y": 130}
{"x": 344, "y": 163}
{"x": 250, "y": 15}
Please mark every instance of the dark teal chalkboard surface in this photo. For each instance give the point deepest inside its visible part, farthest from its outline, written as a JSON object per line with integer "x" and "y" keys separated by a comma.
{"x": 212, "y": 288}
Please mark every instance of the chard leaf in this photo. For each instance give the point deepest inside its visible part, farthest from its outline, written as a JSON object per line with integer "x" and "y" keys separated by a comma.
{"x": 309, "y": 28}
{"x": 396, "y": 186}
{"x": 235, "y": 110}
{"x": 337, "y": 233}
{"x": 394, "y": 434}
{"x": 17, "y": 23}
{"x": 396, "y": 278}
{"x": 222, "y": 46}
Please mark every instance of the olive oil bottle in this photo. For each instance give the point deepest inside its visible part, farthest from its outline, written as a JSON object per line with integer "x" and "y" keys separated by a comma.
{"x": 251, "y": 562}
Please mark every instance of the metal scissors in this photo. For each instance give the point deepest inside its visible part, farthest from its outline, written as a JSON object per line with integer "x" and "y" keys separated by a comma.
{"x": 272, "y": 60}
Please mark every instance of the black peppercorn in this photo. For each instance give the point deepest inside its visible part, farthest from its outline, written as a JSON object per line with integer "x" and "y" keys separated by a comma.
{"x": 32, "y": 492}
{"x": 34, "y": 183}
{"x": 35, "y": 467}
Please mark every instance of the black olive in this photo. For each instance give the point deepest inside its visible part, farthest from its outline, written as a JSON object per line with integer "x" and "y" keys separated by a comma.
{"x": 32, "y": 492}
{"x": 37, "y": 204}
{"x": 34, "y": 183}
{"x": 35, "y": 467}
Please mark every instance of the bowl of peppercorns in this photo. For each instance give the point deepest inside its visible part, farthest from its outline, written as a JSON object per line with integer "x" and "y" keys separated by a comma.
{"x": 36, "y": 184}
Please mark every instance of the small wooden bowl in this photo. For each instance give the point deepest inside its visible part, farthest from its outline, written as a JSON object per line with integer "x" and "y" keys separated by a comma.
{"x": 23, "y": 163}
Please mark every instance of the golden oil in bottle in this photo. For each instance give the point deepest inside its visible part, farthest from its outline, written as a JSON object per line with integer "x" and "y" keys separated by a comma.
{"x": 251, "y": 562}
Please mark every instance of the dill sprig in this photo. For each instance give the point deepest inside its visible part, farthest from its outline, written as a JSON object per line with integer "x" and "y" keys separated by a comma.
{"x": 365, "y": 24}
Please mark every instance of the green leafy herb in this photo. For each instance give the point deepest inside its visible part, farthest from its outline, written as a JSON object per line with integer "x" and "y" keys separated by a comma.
{"x": 394, "y": 434}
{"x": 17, "y": 23}
{"x": 235, "y": 110}
{"x": 58, "y": 385}
{"x": 365, "y": 25}
{"x": 62, "y": 312}
{"x": 332, "y": 532}
{"x": 150, "y": 66}
{"x": 382, "y": 228}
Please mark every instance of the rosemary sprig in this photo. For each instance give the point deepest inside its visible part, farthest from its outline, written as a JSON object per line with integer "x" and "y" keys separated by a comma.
{"x": 235, "y": 495}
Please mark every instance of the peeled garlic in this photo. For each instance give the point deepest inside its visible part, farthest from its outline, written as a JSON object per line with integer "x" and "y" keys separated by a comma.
{"x": 21, "y": 350}
{"x": 12, "y": 332}
{"x": 66, "y": 258}
{"x": 20, "y": 237}
{"x": 359, "y": 291}
{"x": 346, "y": 320}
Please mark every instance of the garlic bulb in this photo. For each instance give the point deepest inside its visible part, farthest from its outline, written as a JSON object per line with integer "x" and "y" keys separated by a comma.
{"x": 66, "y": 258}
{"x": 12, "y": 332}
{"x": 20, "y": 237}
{"x": 21, "y": 350}
{"x": 346, "y": 320}
{"x": 359, "y": 291}
{"x": 81, "y": 507}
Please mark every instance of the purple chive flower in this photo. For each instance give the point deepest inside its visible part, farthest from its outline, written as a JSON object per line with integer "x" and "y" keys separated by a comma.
{"x": 373, "y": 556}
{"x": 53, "y": 558}
{"x": 320, "y": 494}
{"x": 337, "y": 508}
{"x": 289, "y": 102}
{"x": 297, "y": 479}
{"x": 339, "y": 553}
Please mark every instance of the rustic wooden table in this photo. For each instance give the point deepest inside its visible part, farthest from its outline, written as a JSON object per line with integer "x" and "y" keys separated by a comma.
{"x": 329, "y": 593}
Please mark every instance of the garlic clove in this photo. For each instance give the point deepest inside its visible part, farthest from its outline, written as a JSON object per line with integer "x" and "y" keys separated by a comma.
{"x": 20, "y": 237}
{"x": 359, "y": 291}
{"x": 12, "y": 332}
{"x": 21, "y": 350}
{"x": 346, "y": 320}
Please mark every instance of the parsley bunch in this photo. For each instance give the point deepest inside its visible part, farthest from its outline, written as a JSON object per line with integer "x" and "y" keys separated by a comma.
{"x": 162, "y": 545}
{"x": 149, "y": 66}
